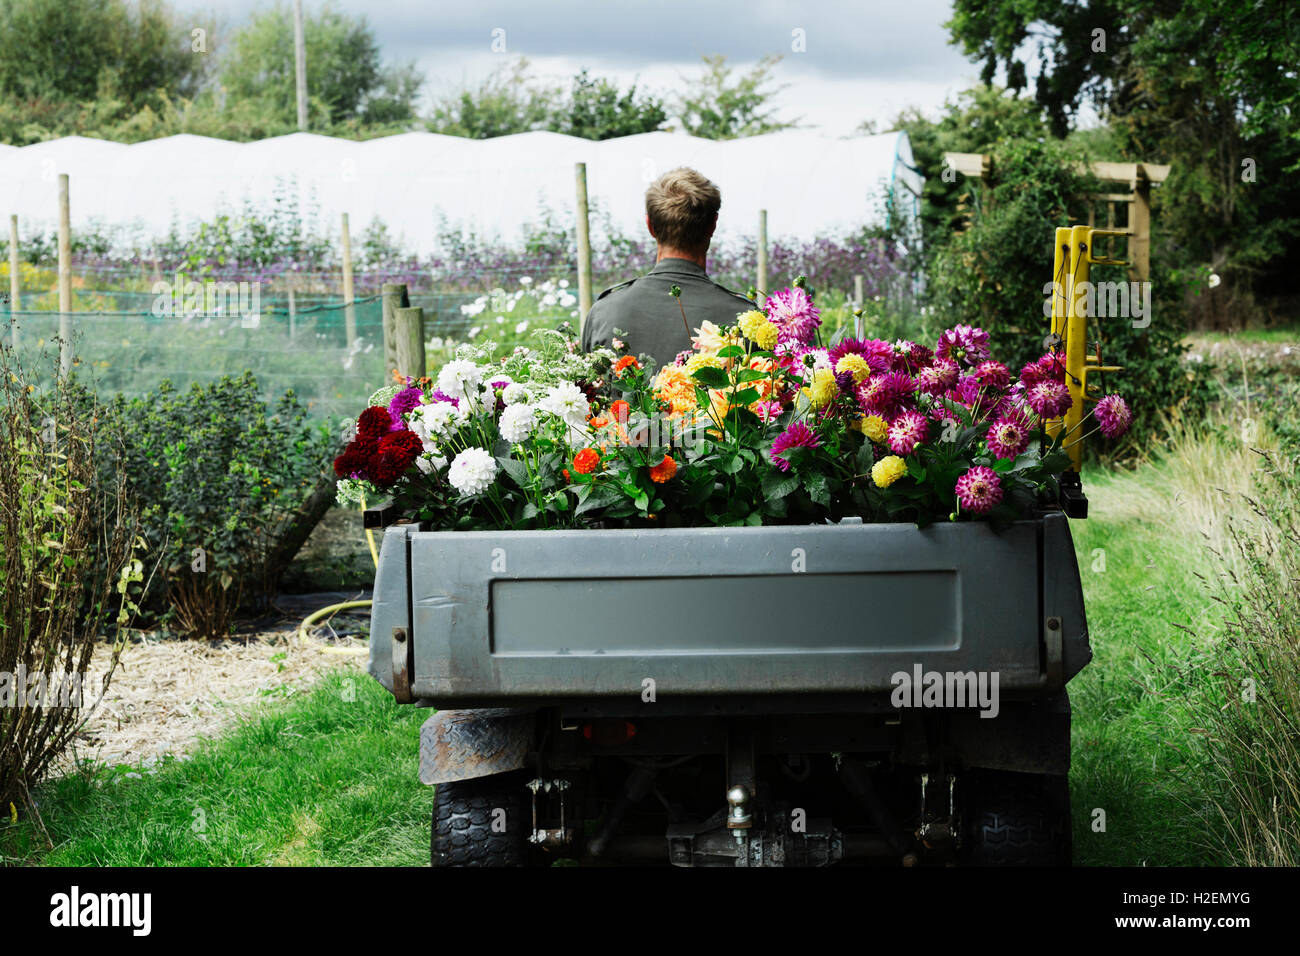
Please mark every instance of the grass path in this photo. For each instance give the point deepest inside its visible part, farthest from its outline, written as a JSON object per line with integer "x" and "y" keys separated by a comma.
{"x": 330, "y": 779}
{"x": 326, "y": 780}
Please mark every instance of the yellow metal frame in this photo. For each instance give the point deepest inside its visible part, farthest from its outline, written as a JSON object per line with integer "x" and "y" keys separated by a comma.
{"x": 1071, "y": 266}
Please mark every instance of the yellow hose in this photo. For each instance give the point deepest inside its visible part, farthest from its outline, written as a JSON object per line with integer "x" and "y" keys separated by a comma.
{"x": 343, "y": 606}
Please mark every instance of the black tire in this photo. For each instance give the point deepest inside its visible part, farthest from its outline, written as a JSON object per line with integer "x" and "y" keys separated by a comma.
{"x": 1017, "y": 819}
{"x": 464, "y": 814}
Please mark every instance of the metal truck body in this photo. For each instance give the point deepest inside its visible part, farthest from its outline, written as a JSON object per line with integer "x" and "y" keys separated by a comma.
{"x": 888, "y": 680}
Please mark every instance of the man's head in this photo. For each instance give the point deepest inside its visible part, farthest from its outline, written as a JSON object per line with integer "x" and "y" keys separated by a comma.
{"x": 681, "y": 210}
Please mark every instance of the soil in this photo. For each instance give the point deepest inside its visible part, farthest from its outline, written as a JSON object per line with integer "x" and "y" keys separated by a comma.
{"x": 168, "y": 694}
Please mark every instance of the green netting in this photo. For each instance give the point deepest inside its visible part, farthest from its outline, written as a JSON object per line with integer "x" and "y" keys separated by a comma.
{"x": 132, "y": 350}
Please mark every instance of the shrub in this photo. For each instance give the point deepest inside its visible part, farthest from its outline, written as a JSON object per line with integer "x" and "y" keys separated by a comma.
{"x": 993, "y": 275}
{"x": 222, "y": 478}
{"x": 68, "y": 567}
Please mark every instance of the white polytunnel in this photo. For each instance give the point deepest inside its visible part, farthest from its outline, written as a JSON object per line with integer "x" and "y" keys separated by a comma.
{"x": 811, "y": 185}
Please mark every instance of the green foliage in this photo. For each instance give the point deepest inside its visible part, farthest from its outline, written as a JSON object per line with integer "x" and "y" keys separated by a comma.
{"x": 511, "y": 101}
{"x": 716, "y": 109}
{"x": 597, "y": 110}
{"x": 1209, "y": 87}
{"x": 994, "y": 274}
{"x": 90, "y": 49}
{"x": 344, "y": 72}
{"x": 507, "y": 101}
{"x": 68, "y": 566}
{"x": 218, "y": 474}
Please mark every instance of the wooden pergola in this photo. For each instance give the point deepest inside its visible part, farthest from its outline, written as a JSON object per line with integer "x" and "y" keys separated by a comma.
{"x": 1134, "y": 203}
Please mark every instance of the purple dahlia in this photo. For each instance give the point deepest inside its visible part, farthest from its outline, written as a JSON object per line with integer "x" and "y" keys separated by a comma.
{"x": 797, "y": 435}
{"x": 1113, "y": 416}
{"x": 979, "y": 490}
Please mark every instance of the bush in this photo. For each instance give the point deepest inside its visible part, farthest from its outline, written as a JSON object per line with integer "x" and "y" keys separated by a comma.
{"x": 993, "y": 274}
{"x": 222, "y": 478}
{"x": 68, "y": 566}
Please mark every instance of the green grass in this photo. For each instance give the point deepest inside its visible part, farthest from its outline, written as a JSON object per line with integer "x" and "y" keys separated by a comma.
{"x": 325, "y": 781}
{"x": 1285, "y": 335}
{"x": 321, "y": 781}
{"x": 1131, "y": 723}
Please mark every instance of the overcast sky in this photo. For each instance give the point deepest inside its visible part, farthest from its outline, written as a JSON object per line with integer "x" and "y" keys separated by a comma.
{"x": 863, "y": 59}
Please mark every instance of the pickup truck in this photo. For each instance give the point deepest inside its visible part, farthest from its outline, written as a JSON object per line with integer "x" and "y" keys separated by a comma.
{"x": 763, "y": 696}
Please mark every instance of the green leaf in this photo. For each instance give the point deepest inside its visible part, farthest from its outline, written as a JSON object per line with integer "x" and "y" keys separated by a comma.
{"x": 777, "y": 484}
{"x": 730, "y": 351}
{"x": 712, "y": 377}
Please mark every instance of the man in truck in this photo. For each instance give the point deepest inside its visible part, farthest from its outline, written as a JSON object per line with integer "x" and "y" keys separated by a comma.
{"x": 681, "y": 212}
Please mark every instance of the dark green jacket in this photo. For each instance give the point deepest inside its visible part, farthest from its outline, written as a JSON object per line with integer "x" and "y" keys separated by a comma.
{"x": 649, "y": 317}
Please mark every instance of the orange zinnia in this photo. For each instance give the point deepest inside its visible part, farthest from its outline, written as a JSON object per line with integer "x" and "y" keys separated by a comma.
{"x": 585, "y": 461}
{"x": 597, "y": 421}
{"x": 620, "y": 410}
{"x": 565, "y": 473}
{"x": 626, "y": 362}
{"x": 664, "y": 470}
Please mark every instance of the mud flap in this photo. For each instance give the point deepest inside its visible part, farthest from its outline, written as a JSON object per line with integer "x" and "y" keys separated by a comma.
{"x": 464, "y": 744}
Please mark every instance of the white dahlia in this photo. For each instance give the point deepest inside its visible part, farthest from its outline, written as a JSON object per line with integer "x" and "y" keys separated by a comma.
{"x": 472, "y": 471}
{"x": 517, "y": 423}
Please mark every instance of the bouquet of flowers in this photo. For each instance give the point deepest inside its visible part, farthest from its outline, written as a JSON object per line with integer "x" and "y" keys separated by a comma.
{"x": 757, "y": 423}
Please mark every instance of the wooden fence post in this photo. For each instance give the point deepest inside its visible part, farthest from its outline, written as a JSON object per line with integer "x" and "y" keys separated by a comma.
{"x": 584, "y": 246}
{"x": 394, "y": 297}
{"x": 349, "y": 310}
{"x": 762, "y": 256}
{"x": 857, "y": 304}
{"x": 409, "y": 329}
{"x": 15, "y": 286}
{"x": 65, "y": 277}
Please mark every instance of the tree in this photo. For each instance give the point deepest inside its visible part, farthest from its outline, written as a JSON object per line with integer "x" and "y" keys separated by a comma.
{"x": 1209, "y": 86}
{"x": 77, "y": 50}
{"x": 507, "y": 101}
{"x": 715, "y": 109}
{"x": 345, "y": 76}
{"x": 597, "y": 110}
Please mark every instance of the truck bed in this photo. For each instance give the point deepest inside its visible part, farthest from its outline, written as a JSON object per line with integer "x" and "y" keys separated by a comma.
{"x": 499, "y": 618}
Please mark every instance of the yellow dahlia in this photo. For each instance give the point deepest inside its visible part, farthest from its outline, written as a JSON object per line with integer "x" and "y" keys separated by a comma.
{"x": 759, "y": 329}
{"x": 699, "y": 361}
{"x": 888, "y": 470}
{"x": 823, "y": 389}
{"x": 874, "y": 427}
{"x": 855, "y": 363}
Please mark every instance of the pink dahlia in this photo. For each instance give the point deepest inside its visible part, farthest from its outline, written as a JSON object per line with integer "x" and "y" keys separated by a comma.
{"x": 886, "y": 395}
{"x": 768, "y": 411}
{"x": 1049, "y": 368}
{"x": 797, "y": 435}
{"x": 993, "y": 375}
{"x": 938, "y": 378}
{"x": 877, "y": 354}
{"x": 964, "y": 343}
{"x": 979, "y": 490}
{"x": 1049, "y": 399}
{"x": 1113, "y": 416}
{"x": 794, "y": 314}
{"x": 910, "y": 357}
{"x": 907, "y": 431}
{"x": 1008, "y": 437}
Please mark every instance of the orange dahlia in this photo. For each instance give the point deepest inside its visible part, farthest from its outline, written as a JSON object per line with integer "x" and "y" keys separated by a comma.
{"x": 620, "y": 410}
{"x": 585, "y": 461}
{"x": 625, "y": 363}
{"x": 663, "y": 471}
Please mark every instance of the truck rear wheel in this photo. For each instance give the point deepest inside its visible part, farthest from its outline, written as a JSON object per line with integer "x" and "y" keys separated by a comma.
{"x": 480, "y": 822}
{"x": 1017, "y": 819}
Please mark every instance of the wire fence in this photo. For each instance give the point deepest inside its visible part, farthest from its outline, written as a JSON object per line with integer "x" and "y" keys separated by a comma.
{"x": 305, "y": 348}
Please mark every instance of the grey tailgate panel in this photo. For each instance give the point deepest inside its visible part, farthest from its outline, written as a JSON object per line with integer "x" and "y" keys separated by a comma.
{"x": 829, "y": 608}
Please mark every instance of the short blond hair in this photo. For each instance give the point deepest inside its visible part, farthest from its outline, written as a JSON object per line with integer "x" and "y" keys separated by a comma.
{"x": 681, "y": 206}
